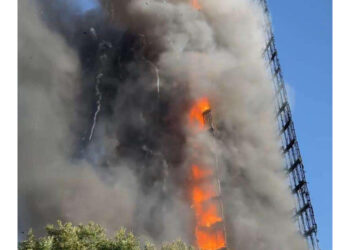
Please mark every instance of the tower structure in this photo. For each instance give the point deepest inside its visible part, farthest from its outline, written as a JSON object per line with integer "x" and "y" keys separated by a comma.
{"x": 294, "y": 167}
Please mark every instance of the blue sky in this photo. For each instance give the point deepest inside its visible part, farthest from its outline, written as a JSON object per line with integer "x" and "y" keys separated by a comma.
{"x": 303, "y": 32}
{"x": 85, "y": 5}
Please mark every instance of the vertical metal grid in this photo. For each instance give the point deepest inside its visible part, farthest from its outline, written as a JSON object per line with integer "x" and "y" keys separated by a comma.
{"x": 294, "y": 167}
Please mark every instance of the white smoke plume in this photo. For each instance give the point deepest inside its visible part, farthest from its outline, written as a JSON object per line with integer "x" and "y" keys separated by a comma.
{"x": 134, "y": 171}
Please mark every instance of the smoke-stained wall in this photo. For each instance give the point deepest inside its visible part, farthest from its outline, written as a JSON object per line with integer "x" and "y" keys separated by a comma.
{"x": 103, "y": 126}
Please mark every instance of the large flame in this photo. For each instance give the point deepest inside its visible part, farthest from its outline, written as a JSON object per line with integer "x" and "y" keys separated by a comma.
{"x": 201, "y": 194}
{"x": 206, "y": 209}
{"x": 196, "y": 112}
{"x": 209, "y": 236}
{"x": 209, "y": 232}
{"x": 210, "y": 240}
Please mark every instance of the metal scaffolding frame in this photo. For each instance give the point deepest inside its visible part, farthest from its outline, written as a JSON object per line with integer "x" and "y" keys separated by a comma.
{"x": 294, "y": 167}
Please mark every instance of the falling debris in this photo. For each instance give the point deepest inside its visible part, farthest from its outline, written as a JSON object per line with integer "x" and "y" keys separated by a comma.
{"x": 98, "y": 104}
{"x": 93, "y": 33}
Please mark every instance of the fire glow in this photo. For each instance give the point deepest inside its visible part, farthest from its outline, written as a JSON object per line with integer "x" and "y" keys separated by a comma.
{"x": 196, "y": 113}
{"x": 204, "y": 192}
{"x": 195, "y": 4}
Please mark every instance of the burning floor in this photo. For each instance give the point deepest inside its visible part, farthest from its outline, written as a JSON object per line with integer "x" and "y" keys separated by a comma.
{"x": 205, "y": 186}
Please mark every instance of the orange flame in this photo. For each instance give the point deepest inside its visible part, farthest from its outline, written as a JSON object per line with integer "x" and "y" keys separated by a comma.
{"x": 207, "y": 215}
{"x": 206, "y": 211}
{"x": 199, "y": 173}
{"x": 210, "y": 240}
{"x": 206, "y": 207}
{"x": 196, "y": 112}
{"x": 199, "y": 194}
{"x": 195, "y": 4}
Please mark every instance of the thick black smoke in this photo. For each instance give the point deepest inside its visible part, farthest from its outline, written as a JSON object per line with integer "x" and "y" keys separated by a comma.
{"x": 103, "y": 102}
{"x": 137, "y": 128}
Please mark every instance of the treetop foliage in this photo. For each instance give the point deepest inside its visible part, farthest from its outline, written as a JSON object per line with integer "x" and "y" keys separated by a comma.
{"x": 66, "y": 236}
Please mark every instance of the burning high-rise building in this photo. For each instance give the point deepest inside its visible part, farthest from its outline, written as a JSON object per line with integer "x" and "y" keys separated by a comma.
{"x": 158, "y": 116}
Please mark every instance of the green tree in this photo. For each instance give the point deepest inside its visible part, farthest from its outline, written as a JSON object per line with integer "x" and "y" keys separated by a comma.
{"x": 177, "y": 245}
{"x": 66, "y": 236}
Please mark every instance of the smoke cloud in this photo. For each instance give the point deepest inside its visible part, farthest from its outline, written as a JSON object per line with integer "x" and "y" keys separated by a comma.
{"x": 103, "y": 126}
